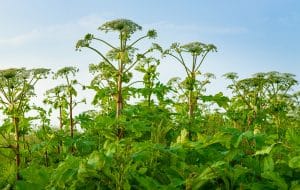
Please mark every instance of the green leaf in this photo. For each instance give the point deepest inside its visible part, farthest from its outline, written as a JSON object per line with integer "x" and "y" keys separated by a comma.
{"x": 65, "y": 173}
{"x": 85, "y": 171}
{"x": 36, "y": 176}
{"x": 22, "y": 185}
{"x": 96, "y": 160}
{"x": 247, "y": 134}
{"x": 218, "y": 98}
{"x": 294, "y": 162}
{"x": 142, "y": 170}
{"x": 268, "y": 163}
{"x": 147, "y": 182}
{"x": 265, "y": 150}
{"x": 276, "y": 179}
{"x": 206, "y": 175}
{"x": 292, "y": 135}
{"x": 295, "y": 185}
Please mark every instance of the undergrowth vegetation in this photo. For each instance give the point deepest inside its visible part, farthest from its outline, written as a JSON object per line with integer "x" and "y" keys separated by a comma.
{"x": 146, "y": 134}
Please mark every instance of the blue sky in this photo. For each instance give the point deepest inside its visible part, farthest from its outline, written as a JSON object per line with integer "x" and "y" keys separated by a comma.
{"x": 251, "y": 36}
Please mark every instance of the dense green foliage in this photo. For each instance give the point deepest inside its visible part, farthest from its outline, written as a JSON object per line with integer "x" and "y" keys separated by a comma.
{"x": 152, "y": 135}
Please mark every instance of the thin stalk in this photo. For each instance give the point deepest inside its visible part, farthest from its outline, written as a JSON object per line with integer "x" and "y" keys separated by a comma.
{"x": 59, "y": 148}
{"x": 103, "y": 57}
{"x": 106, "y": 43}
{"x": 139, "y": 39}
{"x": 17, "y": 147}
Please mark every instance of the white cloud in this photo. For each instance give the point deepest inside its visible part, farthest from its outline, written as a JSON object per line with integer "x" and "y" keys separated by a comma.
{"x": 90, "y": 23}
{"x": 20, "y": 39}
{"x": 54, "y": 32}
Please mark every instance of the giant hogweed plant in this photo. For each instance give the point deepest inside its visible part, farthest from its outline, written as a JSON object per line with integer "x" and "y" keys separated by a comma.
{"x": 16, "y": 89}
{"x": 191, "y": 87}
{"x": 252, "y": 142}
{"x": 115, "y": 66}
